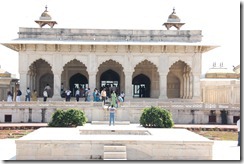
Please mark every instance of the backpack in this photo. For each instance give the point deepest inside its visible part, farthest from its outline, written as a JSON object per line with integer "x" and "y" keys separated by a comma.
{"x": 20, "y": 93}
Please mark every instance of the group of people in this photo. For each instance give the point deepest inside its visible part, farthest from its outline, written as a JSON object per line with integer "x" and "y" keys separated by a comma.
{"x": 29, "y": 96}
{"x": 95, "y": 96}
{"x": 115, "y": 98}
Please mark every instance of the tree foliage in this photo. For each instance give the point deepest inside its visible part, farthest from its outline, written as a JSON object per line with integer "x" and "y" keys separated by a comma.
{"x": 156, "y": 117}
{"x": 68, "y": 118}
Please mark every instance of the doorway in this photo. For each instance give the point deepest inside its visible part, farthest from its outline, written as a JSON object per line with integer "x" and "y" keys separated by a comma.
{"x": 141, "y": 86}
{"x": 77, "y": 81}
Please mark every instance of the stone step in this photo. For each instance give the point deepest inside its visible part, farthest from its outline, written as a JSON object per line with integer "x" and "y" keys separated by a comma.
{"x": 114, "y": 148}
{"x": 114, "y": 155}
{"x": 107, "y": 122}
{"x": 114, "y": 152}
{"x": 114, "y": 159}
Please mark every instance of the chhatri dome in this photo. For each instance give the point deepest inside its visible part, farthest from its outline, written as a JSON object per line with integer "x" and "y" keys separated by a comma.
{"x": 173, "y": 20}
{"x": 221, "y": 72}
{"x": 45, "y": 18}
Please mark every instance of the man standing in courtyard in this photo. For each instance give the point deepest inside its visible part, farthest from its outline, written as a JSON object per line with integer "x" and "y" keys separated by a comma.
{"x": 111, "y": 114}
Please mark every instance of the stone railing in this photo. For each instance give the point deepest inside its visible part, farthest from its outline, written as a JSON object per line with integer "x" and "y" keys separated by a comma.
{"x": 129, "y": 104}
{"x": 130, "y": 111}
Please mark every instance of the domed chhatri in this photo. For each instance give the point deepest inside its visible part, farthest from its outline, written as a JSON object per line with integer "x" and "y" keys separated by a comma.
{"x": 173, "y": 20}
{"x": 45, "y": 19}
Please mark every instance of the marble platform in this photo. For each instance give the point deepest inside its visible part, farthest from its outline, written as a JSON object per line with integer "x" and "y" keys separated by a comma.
{"x": 128, "y": 142}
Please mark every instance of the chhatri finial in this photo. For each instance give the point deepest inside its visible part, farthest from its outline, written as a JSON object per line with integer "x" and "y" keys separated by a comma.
{"x": 45, "y": 19}
{"x": 173, "y": 20}
{"x": 173, "y": 11}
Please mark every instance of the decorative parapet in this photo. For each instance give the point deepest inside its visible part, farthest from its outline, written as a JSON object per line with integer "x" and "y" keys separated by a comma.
{"x": 111, "y": 35}
{"x": 129, "y": 104}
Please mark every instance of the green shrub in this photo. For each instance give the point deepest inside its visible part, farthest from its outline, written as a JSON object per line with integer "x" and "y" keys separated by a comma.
{"x": 156, "y": 117}
{"x": 68, "y": 118}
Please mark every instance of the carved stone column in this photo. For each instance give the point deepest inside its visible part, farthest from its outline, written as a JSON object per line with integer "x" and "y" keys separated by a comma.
{"x": 163, "y": 86}
{"x": 56, "y": 86}
{"x": 23, "y": 84}
{"x": 190, "y": 87}
{"x": 196, "y": 87}
{"x": 128, "y": 86}
{"x": 163, "y": 72}
{"x": 92, "y": 80}
{"x": 184, "y": 86}
{"x": 187, "y": 85}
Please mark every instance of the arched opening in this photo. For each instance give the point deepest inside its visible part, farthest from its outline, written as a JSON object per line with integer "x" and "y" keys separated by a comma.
{"x": 44, "y": 80}
{"x": 173, "y": 86}
{"x": 40, "y": 74}
{"x": 179, "y": 81}
{"x": 141, "y": 86}
{"x": 77, "y": 81}
{"x": 110, "y": 79}
{"x": 74, "y": 76}
{"x": 145, "y": 77}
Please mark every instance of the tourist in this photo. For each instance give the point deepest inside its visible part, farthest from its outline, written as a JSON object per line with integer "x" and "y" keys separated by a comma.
{"x": 48, "y": 89}
{"x": 239, "y": 133}
{"x": 34, "y": 95}
{"x": 122, "y": 95}
{"x": 77, "y": 94}
{"x": 111, "y": 114}
{"x": 28, "y": 94}
{"x": 19, "y": 93}
{"x": 114, "y": 99}
{"x": 104, "y": 95}
{"x": 95, "y": 94}
{"x": 9, "y": 96}
{"x": 88, "y": 95}
{"x": 82, "y": 94}
{"x": 98, "y": 95}
{"x": 68, "y": 94}
{"x": 45, "y": 95}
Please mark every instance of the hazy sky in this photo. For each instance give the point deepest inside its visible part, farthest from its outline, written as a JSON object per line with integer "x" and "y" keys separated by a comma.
{"x": 218, "y": 20}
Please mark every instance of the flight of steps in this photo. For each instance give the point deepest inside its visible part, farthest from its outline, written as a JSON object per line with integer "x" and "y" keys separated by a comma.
{"x": 114, "y": 152}
{"x": 107, "y": 122}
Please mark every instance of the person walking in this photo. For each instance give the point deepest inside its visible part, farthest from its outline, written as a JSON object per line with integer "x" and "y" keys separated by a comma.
{"x": 95, "y": 94}
{"x": 34, "y": 95}
{"x": 45, "y": 95}
{"x": 103, "y": 95}
{"x": 114, "y": 99}
{"x": 122, "y": 95}
{"x": 239, "y": 133}
{"x": 19, "y": 93}
{"x": 77, "y": 95}
{"x": 68, "y": 95}
{"x": 111, "y": 115}
{"x": 9, "y": 96}
{"x": 28, "y": 94}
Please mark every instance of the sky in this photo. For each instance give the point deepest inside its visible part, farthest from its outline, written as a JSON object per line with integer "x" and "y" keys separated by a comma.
{"x": 219, "y": 21}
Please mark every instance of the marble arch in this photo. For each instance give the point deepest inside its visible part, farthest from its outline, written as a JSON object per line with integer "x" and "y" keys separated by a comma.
{"x": 148, "y": 69}
{"x": 114, "y": 66}
{"x": 137, "y": 60}
{"x": 179, "y": 81}
{"x": 102, "y": 59}
{"x": 39, "y": 74}
{"x": 70, "y": 69}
